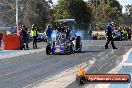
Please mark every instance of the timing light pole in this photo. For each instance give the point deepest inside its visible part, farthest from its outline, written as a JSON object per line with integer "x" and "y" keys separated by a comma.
{"x": 96, "y": 15}
{"x": 17, "y": 15}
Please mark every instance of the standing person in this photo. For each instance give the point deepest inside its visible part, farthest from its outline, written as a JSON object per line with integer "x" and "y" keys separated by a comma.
{"x": 25, "y": 37}
{"x": 129, "y": 34}
{"x": 125, "y": 33}
{"x": 19, "y": 30}
{"x": 48, "y": 32}
{"x": 121, "y": 31}
{"x": 34, "y": 33}
{"x": 109, "y": 36}
{"x": 90, "y": 32}
{"x": 1, "y": 37}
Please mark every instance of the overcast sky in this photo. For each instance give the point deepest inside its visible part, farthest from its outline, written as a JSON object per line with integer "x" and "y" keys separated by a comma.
{"x": 122, "y": 2}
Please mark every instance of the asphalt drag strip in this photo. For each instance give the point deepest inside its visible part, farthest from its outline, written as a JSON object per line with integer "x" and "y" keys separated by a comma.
{"x": 38, "y": 70}
{"x": 104, "y": 63}
{"x": 100, "y": 63}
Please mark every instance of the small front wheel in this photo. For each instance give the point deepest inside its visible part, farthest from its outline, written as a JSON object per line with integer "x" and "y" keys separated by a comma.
{"x": 81, "y": 80}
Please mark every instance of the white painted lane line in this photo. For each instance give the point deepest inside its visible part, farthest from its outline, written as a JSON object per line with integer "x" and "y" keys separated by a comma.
{"x": 93, "y": 45}
{"x": 61, "y": 80}
{"x": 126, "y": 64}
{"x": 116, "y": 70}
{"x": 119, "y": 67}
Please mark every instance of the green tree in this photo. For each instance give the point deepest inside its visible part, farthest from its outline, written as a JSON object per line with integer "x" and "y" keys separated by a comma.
{"x": 127, "y": 16}
{"x": 36, "y": 12}
{"x": 74, "y": 9}
{"x": 105, "y": 11}
{"x": 128, "y": 9}
{"x": 30, "y": 12}
{"x": 7, "y": 12}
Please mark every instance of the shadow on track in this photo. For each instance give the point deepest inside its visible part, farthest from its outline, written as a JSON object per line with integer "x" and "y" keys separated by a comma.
{"x": 78, "y": 52}
{"x": 90, "y": 51}
{"x": 75, "y": 85}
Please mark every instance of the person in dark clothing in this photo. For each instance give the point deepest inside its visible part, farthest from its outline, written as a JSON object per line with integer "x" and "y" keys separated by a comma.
{"x": 109, "y": 36}
{"x": 67, "y": 31}
{"x": 48, "y": 32}
{"x": 125, "y": 33}
{"x": 25, "y": 37}
{"x": 121, "y": 31}
{"x": 129, "y": 34}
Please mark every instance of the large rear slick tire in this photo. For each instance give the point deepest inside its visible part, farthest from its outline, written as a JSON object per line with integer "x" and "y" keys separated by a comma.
{"x": 71, "y": 49}
{"x": 78, "y": 44}
{"x": 48, "y": 49}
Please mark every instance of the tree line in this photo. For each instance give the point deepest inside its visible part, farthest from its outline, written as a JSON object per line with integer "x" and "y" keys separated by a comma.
{"x": 94, "y": 14}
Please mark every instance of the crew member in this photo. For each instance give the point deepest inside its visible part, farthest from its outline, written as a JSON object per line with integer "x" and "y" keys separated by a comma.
{"x": 48, "y": 32}
{"x": 67, "y": 31}
{"x": 34, "y": 33}
{"x": 109, "y": 35}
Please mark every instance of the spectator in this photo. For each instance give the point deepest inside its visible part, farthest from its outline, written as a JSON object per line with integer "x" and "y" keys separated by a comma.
{"x": 129, "y": 34}
{"x": 125, "y": 33}
{"x": 25, "y": 37}
{"x": 34, "y": 33}
{"x": 1, "y": 37}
